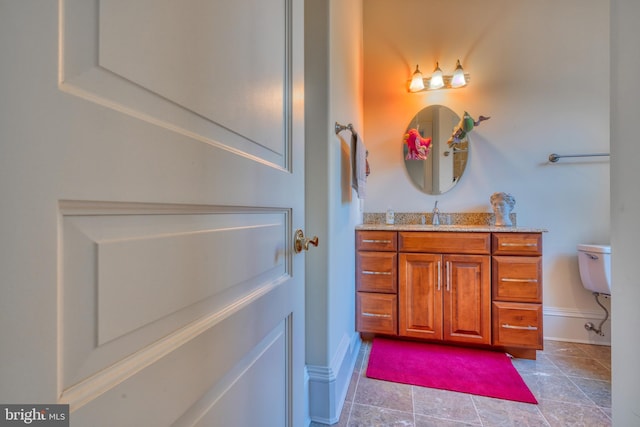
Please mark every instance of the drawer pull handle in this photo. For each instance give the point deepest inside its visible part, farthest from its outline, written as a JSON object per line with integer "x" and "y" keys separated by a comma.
{"x": 507, "y": 279}
{"x": 376, "y": 315}
{"x": 439, "y": 276}
{"x": 375, "y": 241}
{"x": 529, "y": 245}
{"x": 386, "y": 273}
{"x": 525, "y": 328}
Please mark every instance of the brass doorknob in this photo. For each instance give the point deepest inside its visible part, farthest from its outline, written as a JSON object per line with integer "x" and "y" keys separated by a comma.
{"x": 302, "y": 243}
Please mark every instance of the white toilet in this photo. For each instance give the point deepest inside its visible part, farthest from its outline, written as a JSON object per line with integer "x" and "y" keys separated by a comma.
{"x": 595, "y": 272}
{"x": 595, "y": 267}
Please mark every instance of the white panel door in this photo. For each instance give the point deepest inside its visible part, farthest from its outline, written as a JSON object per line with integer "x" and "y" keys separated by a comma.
{"x": 151, "y": 177}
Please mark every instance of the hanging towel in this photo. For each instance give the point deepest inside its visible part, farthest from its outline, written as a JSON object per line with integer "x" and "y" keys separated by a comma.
{"x": 359, "y": 166}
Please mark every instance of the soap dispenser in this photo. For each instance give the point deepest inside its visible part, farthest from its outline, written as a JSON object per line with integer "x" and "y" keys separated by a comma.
{"x": 390, "y": 219}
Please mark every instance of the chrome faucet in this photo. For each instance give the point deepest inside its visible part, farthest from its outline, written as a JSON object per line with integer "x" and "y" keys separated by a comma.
{"x": 436, "y": 215}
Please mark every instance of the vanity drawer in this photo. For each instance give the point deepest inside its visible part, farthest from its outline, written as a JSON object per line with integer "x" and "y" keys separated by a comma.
{"x": 444, "y": 242}
{"x": 517, "y": 325}
{"x": 377, "y": 271}
{"x": 517, "y": 278}
{"x": 517, "y": 243}
{"x": 377, "y": 313}
{"x": 376, "y": 240}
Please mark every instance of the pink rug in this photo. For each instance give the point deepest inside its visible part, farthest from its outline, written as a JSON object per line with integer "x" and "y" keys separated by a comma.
{"x": 466, "y": 370}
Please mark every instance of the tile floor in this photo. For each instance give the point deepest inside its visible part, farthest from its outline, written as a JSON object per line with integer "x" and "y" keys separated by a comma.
{"x": 572, "y": 383}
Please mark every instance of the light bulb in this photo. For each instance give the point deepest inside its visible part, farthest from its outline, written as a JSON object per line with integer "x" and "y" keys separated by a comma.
{"x": 417, "y": 83}
{"x": 458, "y": 79}
{"x": 436, "y": 81}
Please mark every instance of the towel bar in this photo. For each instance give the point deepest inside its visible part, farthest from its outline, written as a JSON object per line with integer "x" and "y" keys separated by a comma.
{"x": 555, "y": 157}
{"x": 339, "y": 128}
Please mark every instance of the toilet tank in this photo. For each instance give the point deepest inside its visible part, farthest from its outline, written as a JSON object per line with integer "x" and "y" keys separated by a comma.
{"x": 595, "y": 267}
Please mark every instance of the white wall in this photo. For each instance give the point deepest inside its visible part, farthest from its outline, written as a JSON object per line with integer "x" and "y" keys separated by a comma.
{"x": 345, "y": 106}
{"x": 540, "y": 69}
{"x": 625, "y": 210}
{"x": 333, "y": 93}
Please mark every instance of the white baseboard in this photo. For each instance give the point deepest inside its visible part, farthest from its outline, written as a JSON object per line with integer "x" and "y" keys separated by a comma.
{"x": 307, "y": 418}
{"x": 565, "y": 324}
{"x": 328, "y": 385}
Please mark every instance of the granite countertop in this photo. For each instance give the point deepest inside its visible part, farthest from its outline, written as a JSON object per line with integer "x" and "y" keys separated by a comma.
{"x": 450, "y": 221}
{"x": 460, "y": 228}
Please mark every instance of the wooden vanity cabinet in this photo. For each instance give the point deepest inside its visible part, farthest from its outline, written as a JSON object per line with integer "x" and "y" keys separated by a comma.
{"x": 376, "y": 282}
{"x": 480, "y": 288}
{"x": 444, "y": 290}
{"x": 517, "y": 292}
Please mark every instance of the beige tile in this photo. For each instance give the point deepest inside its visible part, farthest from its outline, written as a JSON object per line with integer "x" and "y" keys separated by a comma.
{"x": 344, "y": 416}
{"x": 542, "y": 364}
{"x": 605, "y": 362}
{"x": 562, "y": 414}
{"x": 555, "y": 387}
{"x": 422, "y": 421}
{"x": 581, "y": 367}
{"x": 384, "y": 394}
{"x": 373, "y": 416}
{"x": 560, "y": 348}
{"x": 601, "y": 353}
{"x": 351, "y": 391}
{"x": 446, "y": 405}
{"x": 504, "y": 413}
{"x": 342, "y": 422}
{"x": 596, "y": 351}
{"x": 362, "y": 356}
{"x": 365, "y": 359}
{"x": 598, "y": 391}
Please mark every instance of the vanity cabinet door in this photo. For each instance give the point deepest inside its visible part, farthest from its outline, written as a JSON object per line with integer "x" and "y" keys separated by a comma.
{"x": 445, "y": 297}
{"x": 420, "y": 295}
{"x": 467, "y": 299}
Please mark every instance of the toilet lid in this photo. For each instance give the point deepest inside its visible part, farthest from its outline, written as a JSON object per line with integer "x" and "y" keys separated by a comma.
{"x": 603, "y": 249}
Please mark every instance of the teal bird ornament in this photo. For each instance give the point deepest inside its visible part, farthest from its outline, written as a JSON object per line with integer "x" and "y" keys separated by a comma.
{"x": 465, "y": 126}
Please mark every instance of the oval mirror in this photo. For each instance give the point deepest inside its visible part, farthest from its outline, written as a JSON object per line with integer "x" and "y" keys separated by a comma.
{"x": 444, "y": 165}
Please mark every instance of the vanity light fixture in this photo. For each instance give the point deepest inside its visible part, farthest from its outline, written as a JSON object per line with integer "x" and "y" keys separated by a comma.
{"x": 438, "y": 80}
